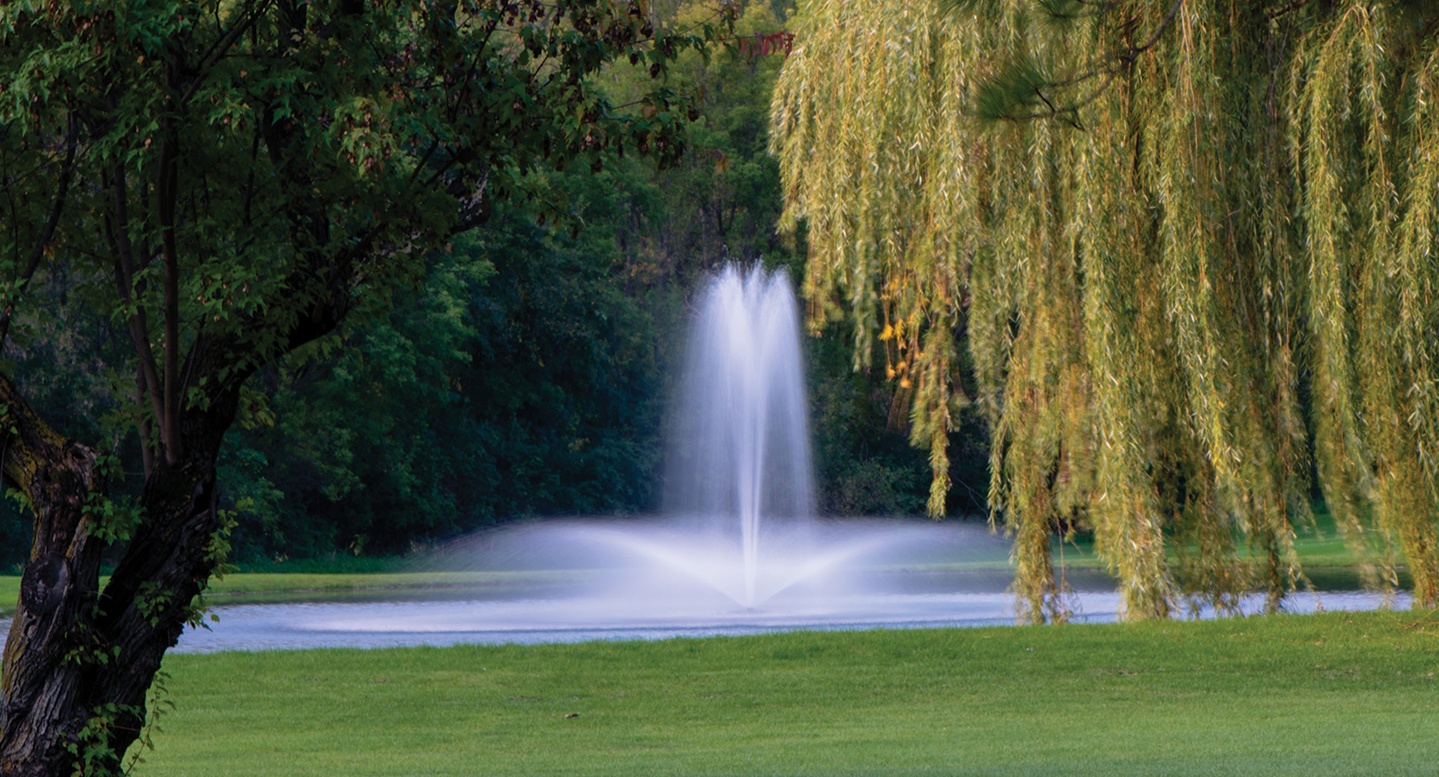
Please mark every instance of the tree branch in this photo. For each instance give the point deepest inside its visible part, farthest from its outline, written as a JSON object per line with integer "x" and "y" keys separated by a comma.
{"x": 219, "y": 49}
{"x": 149, "y": 382}
{"x": 167, "y": 196}
{"x": 66, "y": 169}
{"x": 1109, "y": 69}
{"x": 1294, "y": 6}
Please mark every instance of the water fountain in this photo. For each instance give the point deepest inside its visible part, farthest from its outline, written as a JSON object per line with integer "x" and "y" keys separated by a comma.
{"x": 739, "y": 549}
{"x": 739, "y": 497}
{"x": 740, "y": 451}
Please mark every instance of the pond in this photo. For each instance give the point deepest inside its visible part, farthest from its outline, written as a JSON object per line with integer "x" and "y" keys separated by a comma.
{"x": 412, "y": 623}
{"x": 530, "y": 611}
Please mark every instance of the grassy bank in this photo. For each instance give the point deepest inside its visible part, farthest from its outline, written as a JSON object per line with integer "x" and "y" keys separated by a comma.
{"x": 259, "y": 583}
{"x": 1329, "y": 694}
{"x": 9, "y": 594}
{"x": 1318, "y": 546}
{"x": 250, "y": 587}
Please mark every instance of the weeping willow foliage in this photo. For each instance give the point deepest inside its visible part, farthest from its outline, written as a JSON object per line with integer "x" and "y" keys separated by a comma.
{"x": 1189, "y": 244}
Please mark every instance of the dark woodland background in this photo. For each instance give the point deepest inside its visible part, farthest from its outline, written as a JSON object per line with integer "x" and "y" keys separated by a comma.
{"x": 529, "y": 375}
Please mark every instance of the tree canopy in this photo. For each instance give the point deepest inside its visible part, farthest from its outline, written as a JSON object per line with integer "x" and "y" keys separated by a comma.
{"x": 1189, "y": 245}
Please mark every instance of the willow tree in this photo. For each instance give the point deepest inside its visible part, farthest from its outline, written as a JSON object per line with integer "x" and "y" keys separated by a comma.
{"x": 1190, "y": 244}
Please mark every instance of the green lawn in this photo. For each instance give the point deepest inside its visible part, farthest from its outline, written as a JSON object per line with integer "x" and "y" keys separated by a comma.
{"x": 1319, "y": 547}
{"x": 238, "y": 588}
{"x": 263, "y": 582}
{"x": 1312, "y": 695}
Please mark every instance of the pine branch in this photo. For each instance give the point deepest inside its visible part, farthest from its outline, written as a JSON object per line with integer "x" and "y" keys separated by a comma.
{"x": 1023, "y": 78}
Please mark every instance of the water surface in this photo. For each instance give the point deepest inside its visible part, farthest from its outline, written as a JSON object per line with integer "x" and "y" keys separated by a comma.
{"x": 438, "y": 617}
{"x": 531, "y": 621}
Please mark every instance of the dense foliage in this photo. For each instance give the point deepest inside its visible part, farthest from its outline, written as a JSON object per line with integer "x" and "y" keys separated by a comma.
{"x": 548, "y": 374}
{"x": 517, "y": 381}
{"x": 1190, "y": 243}
{"x": 527, "y": 374}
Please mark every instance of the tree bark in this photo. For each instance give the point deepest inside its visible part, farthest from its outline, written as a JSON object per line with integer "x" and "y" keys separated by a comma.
{"x": 79, "y": 661}
{"x": 45, "y": 671}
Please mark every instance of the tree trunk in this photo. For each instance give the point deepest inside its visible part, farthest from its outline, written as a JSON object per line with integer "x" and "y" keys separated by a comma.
{"x": 46, "y": 666}
{"x": 78, "y": 663}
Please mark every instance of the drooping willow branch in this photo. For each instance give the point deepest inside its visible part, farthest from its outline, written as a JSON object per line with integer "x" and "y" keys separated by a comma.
{"x": 1219, "y": 284}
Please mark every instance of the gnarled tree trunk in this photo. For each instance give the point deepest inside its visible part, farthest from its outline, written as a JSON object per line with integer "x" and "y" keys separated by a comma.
{"x": 45, "y": 672}
{"x": 79, "y": 661}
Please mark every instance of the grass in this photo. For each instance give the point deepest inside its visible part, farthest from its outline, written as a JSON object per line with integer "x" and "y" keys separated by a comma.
{"x": 1318, "y": 546}
{"x": 335, "y": 563}
{"x": 1314, "y": 695}
{"x": 249, "y": 587}
{"x": 9, "y": 594}
{"x": 257, "y": 582}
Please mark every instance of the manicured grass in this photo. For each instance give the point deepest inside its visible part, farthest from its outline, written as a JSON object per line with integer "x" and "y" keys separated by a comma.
{"x": 238, "y": 588}
{"x": 334, "y": 564}
{"x": 1314, "y": 695}
{"x": 9, "y": 594}
{"x": 1319, "y": 547}
{"x": 253, "y": 582}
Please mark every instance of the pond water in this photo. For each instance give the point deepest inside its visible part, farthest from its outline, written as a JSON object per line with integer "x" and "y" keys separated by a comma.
{"x": 606, "y": 605}
{"x": 412, "y": 623}
{"x": 404, "y": 618}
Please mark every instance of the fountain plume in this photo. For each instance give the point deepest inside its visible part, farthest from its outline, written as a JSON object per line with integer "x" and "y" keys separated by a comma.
{"x": 739, "y": 454}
